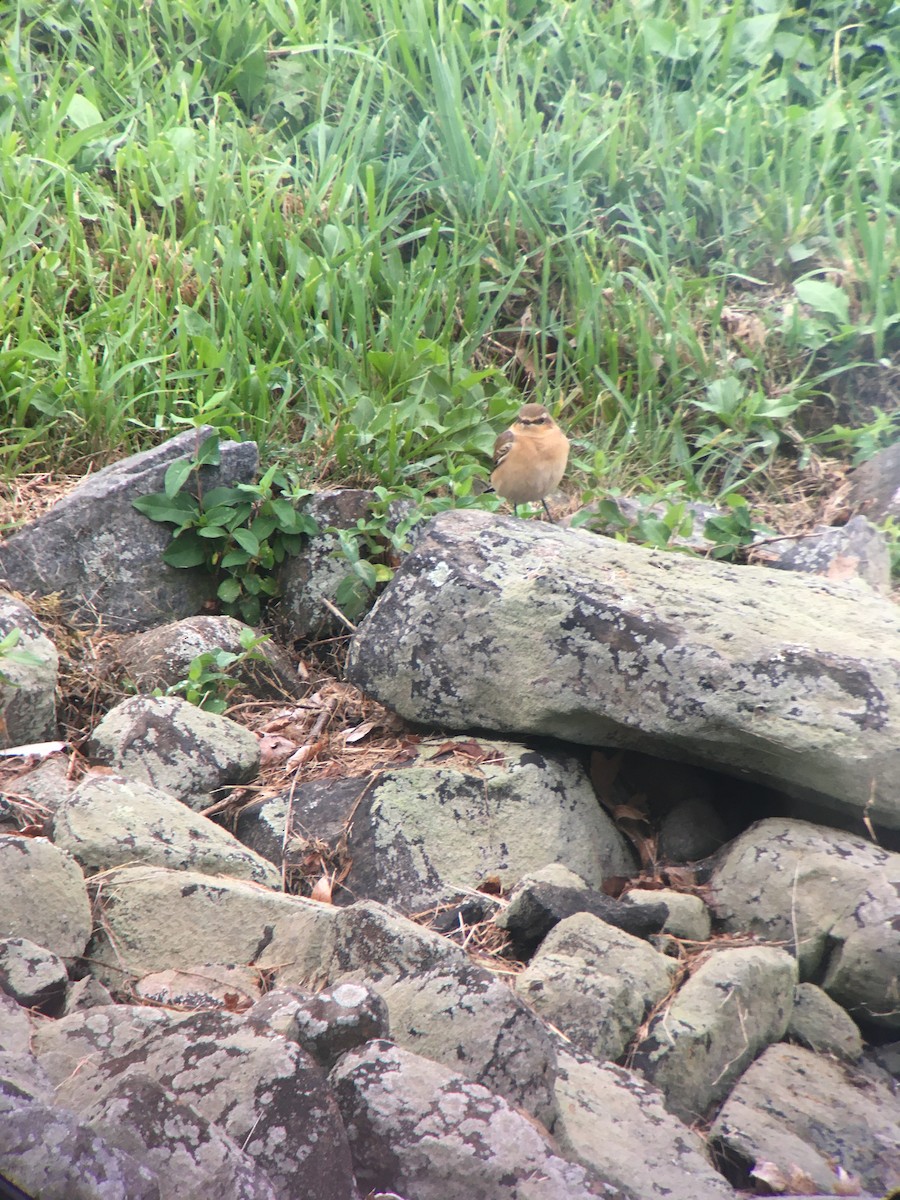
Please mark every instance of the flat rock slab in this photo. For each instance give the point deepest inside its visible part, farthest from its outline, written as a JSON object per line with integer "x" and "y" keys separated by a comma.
{"x": 613, "y": 1121}
{"x": 419, "y": 1127}
{"x": 803, "y": 1113}
{"x": 103, "y": 557}
{"x": 513, "y": 626}
{"x": 109, "y": 821}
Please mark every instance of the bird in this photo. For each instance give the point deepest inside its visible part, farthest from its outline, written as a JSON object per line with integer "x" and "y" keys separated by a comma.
{"x": 530, "y": 458}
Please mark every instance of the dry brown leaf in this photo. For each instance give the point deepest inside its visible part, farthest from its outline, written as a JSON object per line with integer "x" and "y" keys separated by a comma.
{"x": 273, "y": 748}
{"x": 491, "y": 885}
{"x": 359, "y": 732}
{"x": 323, "y": 890}
{"x": 630, "y": 812}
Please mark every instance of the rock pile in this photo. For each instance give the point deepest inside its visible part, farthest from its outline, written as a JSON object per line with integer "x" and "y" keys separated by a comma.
{"x": 175, "y": 1023}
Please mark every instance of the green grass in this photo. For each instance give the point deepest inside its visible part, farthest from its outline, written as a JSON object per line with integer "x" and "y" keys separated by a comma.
{"x": 363, "y": 233}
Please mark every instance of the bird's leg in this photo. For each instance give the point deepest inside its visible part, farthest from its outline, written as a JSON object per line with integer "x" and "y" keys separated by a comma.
{"x": 547, "y": 511}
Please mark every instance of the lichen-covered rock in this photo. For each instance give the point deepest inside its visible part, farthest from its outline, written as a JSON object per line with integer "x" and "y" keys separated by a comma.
{"x": 417, "y": 1126}
{"x": 176, "y": 747}
{"x": 833, "y": 898}
{"x": 688, "y": 917}
{"x": 614, "y": 1122}
{"x": 857, "y": 550}
{"x": 517, "y": 627}
{"x": 821, "y": 1025}
{"x": 110, "y": 820}
{"x": 103, "y": 557}
{"x": 28, "y": 672}
{"x": 424, "y": 832}
{"x": 190, "y": 1157}
{"x": 150, "y": 919}
{"x": 264, "y": 1092}
{"x": 595, "y": 983}
{"x": 733, "y": 1006}
{"x": 875, "y": 485}
{"x": 48, "y": 1152}
{"x": 43, "y": 896}
{"x": 211, "y": 985}
{"x": 536, "y": 906}
{"x": 805, "y": 1113}
{"x": 161, "y": 657}
{"x": 328, "y": 1023}
{"x": 33, "y": 976}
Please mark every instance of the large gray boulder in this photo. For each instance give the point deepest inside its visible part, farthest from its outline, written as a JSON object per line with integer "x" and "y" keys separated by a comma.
{"x": 176, "y": 747}
{"x": 595, "y": 983}
{"x": 420, "y": 1127}
{"x": 832, "y": 1124}
{"x": 263, "y": 1092}
{"x": 832, "y": 898}
{"x": 104, "y": 558}
{"x": 734, "y": 1005}
{"x": 514, "y": 626}
{"x": 613, "y": 1121}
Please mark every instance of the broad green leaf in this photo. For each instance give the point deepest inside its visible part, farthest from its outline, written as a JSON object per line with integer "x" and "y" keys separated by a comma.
{"x": 177, "y": 475}
{"x": 159, "y": 507}
{"x": 246, "y": 540}
{"x": 229, "y": 590}
{"x": 186, "y": 551}
{"x": 83, "y": 113}
{"x": 824, "y": 297}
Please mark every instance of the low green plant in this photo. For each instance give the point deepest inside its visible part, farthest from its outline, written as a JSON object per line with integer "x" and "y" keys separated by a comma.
{"x": 9, "y": 651}
{"x": 376, "y": 543}
{"x": 210, "y": 681}
{"x": 733, "y": 531}
{"x": 239, "y": 534}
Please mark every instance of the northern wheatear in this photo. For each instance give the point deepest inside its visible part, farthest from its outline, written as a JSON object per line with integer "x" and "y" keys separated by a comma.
{"x": 530, "y": 457}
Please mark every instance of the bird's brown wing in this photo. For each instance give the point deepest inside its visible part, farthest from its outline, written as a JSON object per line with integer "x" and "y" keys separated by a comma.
{"x": 502, "y": 446}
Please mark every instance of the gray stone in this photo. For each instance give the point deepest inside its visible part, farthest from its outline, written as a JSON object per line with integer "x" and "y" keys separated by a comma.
{"x": 595, "y": 983}
{"x": 423, "y": 832}
{"x": 81, "y": 1166}
{"x": 176, "y": 747}
{"x": 32, "y": 868}
{"x": 152, "y": 919}
{"x": 160, "y": 658}
{"x": 688, "y": 917}
{"x": 875, "y": 485}
{"x": 16, "y": 1025}
{"x": 86, "y": 993}
{"x": 110, "y": 820}
{"x": 319, "y": 810}
{"x": 614, "y": 1122}
{"x": 419, "y": 1127}
{"x": 831, "y": 897}
{"x": 28, "y": 673}
{"x": 536, "y": 907}
{"x": 692, "y": 830}
{"x": 104, "y": 558}
{"x": 45, "y": 785}
{"x": 518, "y": 627}
{"x": 805, "y": 1113}
{"x": 265, "y": 1093}
{"x": 823, "y": 1026}
{"x": 733, "y": 1006}
{"x": 856, "y": 550}
{"x": 189, "y": 1156}
{"x": 212, "y": 985}
{"x": 326, "y": 1024}
{"x": 33, "y": 976}
{"x": 308, "y": 579}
